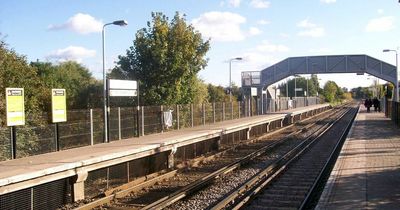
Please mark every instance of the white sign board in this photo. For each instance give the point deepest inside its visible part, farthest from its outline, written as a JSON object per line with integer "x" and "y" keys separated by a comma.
{"x": 122, "y": 84}
{"x": 118, "y": 87}
{"x": 253, "y": 91}
{"x": 123, "y": 92}
{"x": 298, "y": 89}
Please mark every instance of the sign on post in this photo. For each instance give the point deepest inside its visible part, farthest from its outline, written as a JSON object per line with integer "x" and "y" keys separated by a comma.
{"x": 253, "y": 91}
{"x": 122, "y": 87}
{"x": 58, "y": 105}
{"x": 15, "y": 106}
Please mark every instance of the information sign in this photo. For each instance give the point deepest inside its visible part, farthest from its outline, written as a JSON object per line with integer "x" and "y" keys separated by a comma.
{"x": 253, "y": 91}
{"x": 58, "y": 105}
{"x": 122, "y": 87}
{"x": 15, "y": 106}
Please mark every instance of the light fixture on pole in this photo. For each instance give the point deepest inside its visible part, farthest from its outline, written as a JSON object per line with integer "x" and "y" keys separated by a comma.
{"x": 396, "y": 97}
{"x": 230, "y": 75}
{"x": 119, "y": 23}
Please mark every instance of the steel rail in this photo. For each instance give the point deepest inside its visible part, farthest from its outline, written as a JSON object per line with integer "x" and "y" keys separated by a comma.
{"x": 199, "y": 184}
{"x": 254, "y": 185}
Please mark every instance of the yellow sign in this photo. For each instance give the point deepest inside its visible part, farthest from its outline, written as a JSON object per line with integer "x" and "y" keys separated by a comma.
{"x": 15, "y": 106}
{"x": 58, "y": 105}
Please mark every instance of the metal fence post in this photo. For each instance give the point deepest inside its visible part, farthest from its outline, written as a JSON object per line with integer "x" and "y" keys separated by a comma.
{"x": 142, "y": 121}
{"x": 239, "y": 105}
{"x": 119, "y": 123}
{"x": 223, "y": 111}
{"x": 204, "y": 113}
{"x": 213, "y": 107}
{"x": 13, "y": 144}
{"x": 91, "y": 127}
{"x": 191, "y": 114}
{"x": 177, "y": 116}
{"x": 231, "y": 110}
{"x": 162, "y": 118}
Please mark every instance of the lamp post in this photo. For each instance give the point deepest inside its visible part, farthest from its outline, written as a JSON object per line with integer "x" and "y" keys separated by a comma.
{"x": 230, "y": 75}
{"x": 119, "y": 23}
{"x": 396, "y": 98}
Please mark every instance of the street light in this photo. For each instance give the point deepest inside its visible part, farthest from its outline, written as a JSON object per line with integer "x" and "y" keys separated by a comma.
{"x": 119, "y": 23}
{"x": 396, "y": 98}
{"x": 230, "y": 75}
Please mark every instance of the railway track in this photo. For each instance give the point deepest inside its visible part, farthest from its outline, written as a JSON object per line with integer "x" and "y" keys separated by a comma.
{"x": 292, "y": 181}
{"x": 176, "y": 185}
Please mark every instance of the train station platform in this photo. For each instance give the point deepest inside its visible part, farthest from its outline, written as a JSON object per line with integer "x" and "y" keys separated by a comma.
{"x": 23, "y": 173}
{"x": 367, "y": 172}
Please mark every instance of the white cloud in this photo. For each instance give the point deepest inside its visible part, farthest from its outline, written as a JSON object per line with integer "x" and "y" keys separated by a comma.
{"x": 328, "y": 1}
{"x": 234, "y": 3}
{"x": 266, "y": 46}
{"x": 263, "y": 22}
{"x": 260, "y": 4}
{"x": 220, "y": 26}
{"x": 306, "y": 24}
{"x": 380, "y": 11}
{"x": 80, "y": 23}
{"x": 254, "y": 31}
{"x": 74, "y": 53}
{"x": 310, "y": 29}
{"x": 320, "y": 50}
{"x": 284, "y": 35}
{"x": 380, "y": 24}
{"x": 313, "y": 32}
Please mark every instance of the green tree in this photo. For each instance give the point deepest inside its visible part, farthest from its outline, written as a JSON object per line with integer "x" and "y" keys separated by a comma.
{"x": 81, "y": 87}
{"x": 331, "y": 91}
{"x": 216, "y": 94}
{"x": 15, "y": 72}
{"x": 165, "y": 57}
{"x": 301, "y": 82}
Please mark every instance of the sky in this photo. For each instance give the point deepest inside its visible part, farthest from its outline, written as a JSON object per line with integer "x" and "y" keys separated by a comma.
{"x": 262, "y": 32}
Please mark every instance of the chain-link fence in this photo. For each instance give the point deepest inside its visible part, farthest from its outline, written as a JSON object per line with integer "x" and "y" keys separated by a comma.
{"x": 86, "y": 127}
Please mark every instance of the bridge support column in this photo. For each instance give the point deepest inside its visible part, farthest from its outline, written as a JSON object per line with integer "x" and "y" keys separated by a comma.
{"x": 171, "y": 157}
{"x": 78, "y": 187}
{"x": 248, "y": 133}
{"x": 268, "y": 124}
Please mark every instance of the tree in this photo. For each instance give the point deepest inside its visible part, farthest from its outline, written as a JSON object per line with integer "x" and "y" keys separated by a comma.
{"x": 301, "y": 82}
{"x": 15, "y": 72}
{"x": 166, "y": 58}
{"x": 80, "y": 86}
{"x": 332, "y": 92}
{"x": 216, "y": 94}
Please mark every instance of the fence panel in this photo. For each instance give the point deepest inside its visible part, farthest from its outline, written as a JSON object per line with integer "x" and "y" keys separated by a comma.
{"x": 152, "y": 119}
{"x": 76, "y": 131}
{"x": 5, "y": 146}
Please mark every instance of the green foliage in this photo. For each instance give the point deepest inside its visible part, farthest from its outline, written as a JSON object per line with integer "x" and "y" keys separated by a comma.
{"x": 72, "y": 76}
{"x": 15, "y": 72}
{"x": 301, "y": 82}
{"x": 165, "y": 57}
{"x": 332, "y": 92}
{"x": 361, "y": 93}
{"x": 216, "y": 94}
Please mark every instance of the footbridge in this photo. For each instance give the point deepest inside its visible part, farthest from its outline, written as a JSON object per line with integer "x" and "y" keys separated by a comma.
{"x": 291, "y": 66}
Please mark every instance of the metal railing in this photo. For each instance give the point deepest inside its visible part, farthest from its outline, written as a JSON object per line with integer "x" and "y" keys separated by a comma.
{"x": 85, "y": 127}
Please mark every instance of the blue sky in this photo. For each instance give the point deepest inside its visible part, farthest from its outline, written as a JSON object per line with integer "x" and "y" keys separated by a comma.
{"x": 263, "y": 32}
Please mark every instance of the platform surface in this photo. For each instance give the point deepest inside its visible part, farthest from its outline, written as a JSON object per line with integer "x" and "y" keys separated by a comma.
{"x": 18, "y": 170}
{"x": 367, "y": 172}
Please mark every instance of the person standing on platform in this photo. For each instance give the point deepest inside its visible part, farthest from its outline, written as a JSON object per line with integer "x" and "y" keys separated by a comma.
{"x": 377, "y": 105}
{"x": 368, "y": 104}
